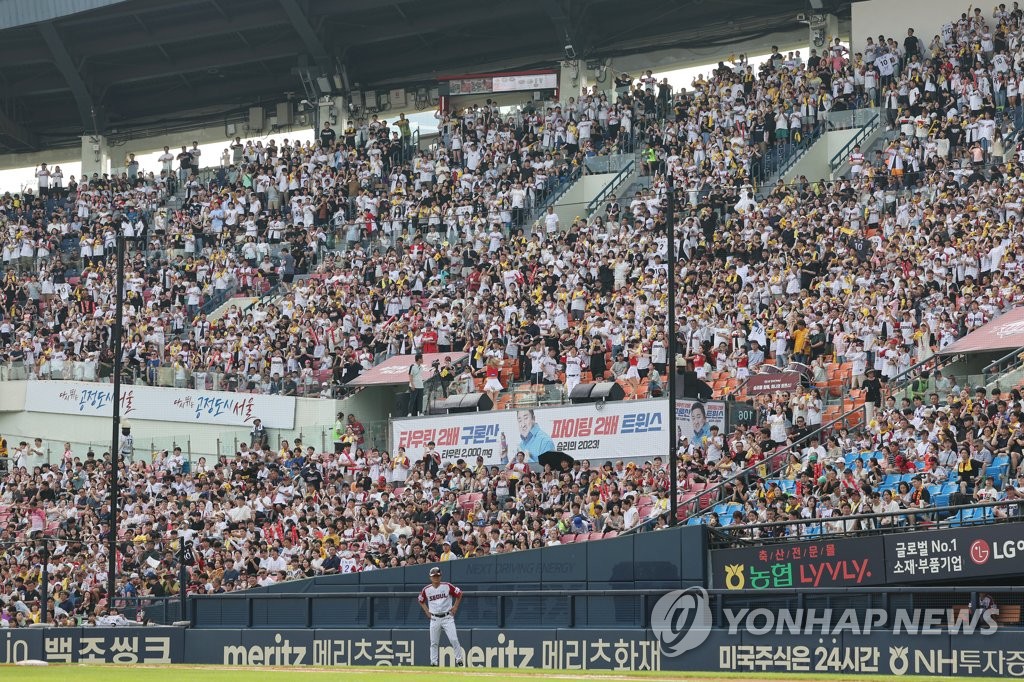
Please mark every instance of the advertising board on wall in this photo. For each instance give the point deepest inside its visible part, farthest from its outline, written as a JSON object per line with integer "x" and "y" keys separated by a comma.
{"x": 963, "y": 554}
{"x": 593, "y": 430}
{"x": 1000, "y": 654}
{"x": 160, "y": 404}
{"x": 969, "y": 553}
{"x": 818, "y": 563}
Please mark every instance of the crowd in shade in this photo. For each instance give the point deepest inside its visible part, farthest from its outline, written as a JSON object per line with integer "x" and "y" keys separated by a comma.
{"x": 359, "y": 245}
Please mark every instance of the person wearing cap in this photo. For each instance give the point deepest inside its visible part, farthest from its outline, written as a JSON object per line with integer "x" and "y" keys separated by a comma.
{"x": 258, "y": 438}
{"x": 440, "y": 602}
{"x": 127, "y": 442}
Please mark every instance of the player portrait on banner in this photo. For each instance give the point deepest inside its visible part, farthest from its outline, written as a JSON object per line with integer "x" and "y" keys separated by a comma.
{"x": 533, "y": 440}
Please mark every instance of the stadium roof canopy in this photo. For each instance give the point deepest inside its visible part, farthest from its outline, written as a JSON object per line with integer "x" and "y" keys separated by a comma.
{"x": 74, "y": 67}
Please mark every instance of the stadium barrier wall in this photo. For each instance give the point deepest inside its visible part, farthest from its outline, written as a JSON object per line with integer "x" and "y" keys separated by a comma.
{"x": 1000, "y": 654}
{"x": 666, "y": 560}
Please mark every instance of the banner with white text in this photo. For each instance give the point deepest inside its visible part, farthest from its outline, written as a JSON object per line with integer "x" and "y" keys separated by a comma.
{"x": 589, "y": 431}
{"x": 161, "y": 404}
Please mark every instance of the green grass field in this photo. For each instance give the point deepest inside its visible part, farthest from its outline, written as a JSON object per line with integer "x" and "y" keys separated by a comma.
{"x": 187, "y": 673}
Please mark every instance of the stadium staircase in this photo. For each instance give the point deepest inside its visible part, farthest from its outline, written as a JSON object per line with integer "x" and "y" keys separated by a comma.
{"x": 871, "y": 138}
{"x": 589, "y": 184}
{"x": 810, "y": 156}
{"x": 243, "y": 303}
{"x": 623, "y": 184}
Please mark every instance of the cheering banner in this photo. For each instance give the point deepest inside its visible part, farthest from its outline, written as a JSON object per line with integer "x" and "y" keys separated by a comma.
{"x": 591, "y": 431}
{"x": 161, "y": 404}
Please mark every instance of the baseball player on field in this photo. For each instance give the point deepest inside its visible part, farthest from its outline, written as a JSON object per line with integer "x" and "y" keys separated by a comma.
{"x": 440, "y": 601}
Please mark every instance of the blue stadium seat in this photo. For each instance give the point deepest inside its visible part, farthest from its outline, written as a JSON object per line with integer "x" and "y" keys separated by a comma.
{"x": 892, "y": 480}
{"x": 695, "y": 521}
{"x": 976, "y": 515}
{"x": 999, "y": 468}
{"x": 956, "y": 520}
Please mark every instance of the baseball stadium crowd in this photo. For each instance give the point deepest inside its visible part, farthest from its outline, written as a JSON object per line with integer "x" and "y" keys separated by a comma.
{"x": 371, "y": 247}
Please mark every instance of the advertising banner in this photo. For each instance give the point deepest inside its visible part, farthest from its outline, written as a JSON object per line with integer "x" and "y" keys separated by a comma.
{"x": 160, "y": 404}
{"x": 533, "y": 81}
{"x": 760, "y": 384}
{"x": 973, "y": 552}
{"x": 682, "y": 647}
{"x": 819, "y": 563}
{"x": 590, "y": 431}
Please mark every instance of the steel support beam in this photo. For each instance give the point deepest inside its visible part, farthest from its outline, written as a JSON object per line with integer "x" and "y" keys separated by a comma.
{"x": 221, "y": 59}
{"x": 300, "y": 22}
{"x": 169, "y": 34}
{"x": 92, "y": 118}
{"x": 13, "y": 130}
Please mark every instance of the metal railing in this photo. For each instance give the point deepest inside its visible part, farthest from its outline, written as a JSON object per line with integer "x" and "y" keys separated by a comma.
{"x": 866, "y": 129}
{"x": 168, "y": 375}
{"x": 556, "y": 188}
{"x": 780, "y": 158}
{"x": 609, "y": 163}
{"x": 150, "y": 609}
{"x": 903, "y": 380}
{"x": 619, "y": 178}
{"x": 194, "y": 449}
{"x": 1011, "y": 360}
{"x": 952, "y": 517}
{"x": 852, "y": 118}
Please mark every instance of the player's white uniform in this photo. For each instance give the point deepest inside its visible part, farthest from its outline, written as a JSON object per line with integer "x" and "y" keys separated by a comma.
{"x": 439, "y": 601}
{"x": 573, "y": 370}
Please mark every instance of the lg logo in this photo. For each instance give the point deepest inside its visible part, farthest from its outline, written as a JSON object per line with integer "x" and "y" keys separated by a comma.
{"x": 682, "y": 620}
{"x": 980, "y": 552}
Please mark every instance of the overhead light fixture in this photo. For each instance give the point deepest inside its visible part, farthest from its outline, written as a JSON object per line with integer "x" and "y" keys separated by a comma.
{"x": 339, "y": 84}
{"x": 817, "y": 4}
{"x": 324, "y": 83}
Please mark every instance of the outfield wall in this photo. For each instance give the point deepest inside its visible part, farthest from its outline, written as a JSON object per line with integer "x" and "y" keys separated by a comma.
{"x": 879, "y": 653}
{"x": 664, "y": 560}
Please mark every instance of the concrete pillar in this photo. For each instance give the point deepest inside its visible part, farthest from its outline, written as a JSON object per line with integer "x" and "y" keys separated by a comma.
{"x": 95, "y": 155}
{"x": 824, "y": 29}
{"x": 571, "y": 76}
